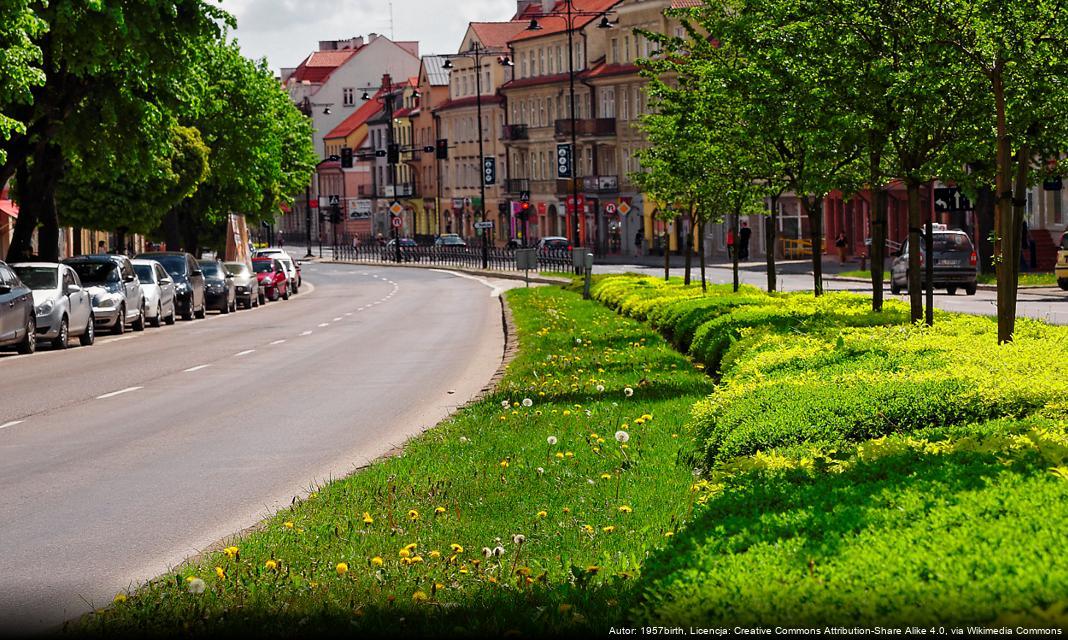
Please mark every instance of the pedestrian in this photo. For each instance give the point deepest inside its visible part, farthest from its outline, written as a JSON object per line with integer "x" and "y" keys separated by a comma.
{"x": 281, "y": 239}
{"x": 744, "y": 234}
{"x": 840, "y": 245}
{"x": 638, "y": 237}
{"x": 101, "y": 247}
{"x": 730, "y": 243}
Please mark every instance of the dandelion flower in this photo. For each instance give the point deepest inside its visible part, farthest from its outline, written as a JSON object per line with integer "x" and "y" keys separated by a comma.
{"x": 567, "y": 412}
{"x": 377, "y": 561}
{"x": 541, "y": 470}
{"x": 367, "y": 519}
{"x": 551, "y": 440}
{"x": 439, "y": 510}
{"x": 622, "y": 436}
{"x": 587, "y": 528}
{"x": 287, "y": 525}
{"x": 120, "y": 598}
{"x": 625, "y": 509}
{"x": 600, "y": 388}
{"x": 196, "y": 586}
{"x": 578, "y": 340}
{"x": 608, "y": 529}
{"x": 567, "y": 510}
{"x": 592, "y": 569}
{"x": 270, "y": 565}
{"x": 487, "y": 552}
{"x": 231, "y": 552}
{"x": 569, "y": 454}
{"x": 457, "y": 548}
{"x": 519, "y": 538}
{"x": 504, "y": 464}
{"x": 542, "y": 514}
{"x": 505, "y": 404}
{"x": 527, "y": 402}
{"x": 342, "y": 568}
{"x": 413, "y": 515}
{"x": 628, "y": 392}
{"x": 419, "y": 596}
{"x": 669, "y": 534}
{"x": 498, "y": 551}
{"x": 220, "y": 573}
{"x": 435, "y": 554}
{"x": 404, "y": 553}
{"x": 590, "y": 481}
{"x": 560, "y": 455}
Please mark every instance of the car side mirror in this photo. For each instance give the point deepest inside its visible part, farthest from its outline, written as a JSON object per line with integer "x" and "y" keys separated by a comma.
{"x": 196, "y": 272}
{"x": 72, "y": 289}
{"x": 130, "y": 278}
{"x": 5, "y": 288}
{"x": 164, "y": 280}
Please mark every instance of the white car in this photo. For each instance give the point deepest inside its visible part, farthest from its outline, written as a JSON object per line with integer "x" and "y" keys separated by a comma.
{"x": 63, "y": 309}
{"x": 288, "y": 263}
{"x": 158, "y": 287}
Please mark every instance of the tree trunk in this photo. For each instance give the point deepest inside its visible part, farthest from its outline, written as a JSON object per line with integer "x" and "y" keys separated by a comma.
{"x": 880, "y": 204}
{"x": 22, "y": 240}
{"x": 735, "y": 257}
{"x": 701, "y": 250}
{"x": 928, "y": 266}
{"x": 667, "y": 259}
{"x": 814, "y": 212}
{"x": 1005, "y": 249}
{"x": 770, "y": 232}
{"x": 37, "y": 198}
{"x": 914, "y": 276}
{"x": 687, "y": 245}
{"x": 171, "y": 230}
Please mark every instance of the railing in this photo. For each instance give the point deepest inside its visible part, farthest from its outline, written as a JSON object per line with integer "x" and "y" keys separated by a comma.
{"x": 514, "y": 132}
{"x": 793, "y": 249}
{"x": 587, "y": 127}
{"x": 498, "y": 259}
{"x": 515, "y": 185}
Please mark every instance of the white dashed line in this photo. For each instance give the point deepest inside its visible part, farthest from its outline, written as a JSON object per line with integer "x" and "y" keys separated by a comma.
{"x": 196, "y": 368}
{"x": 306, "y": 333}
{"x": 11, "y": 424}
{"x": 277, "y": 342}
{"x": 337, "y": 319}
{"x": 245, "y": 353}
{"x": 118, "y": 393}
{"x": 348, "y": 313}
{"x": 324, "y": 324}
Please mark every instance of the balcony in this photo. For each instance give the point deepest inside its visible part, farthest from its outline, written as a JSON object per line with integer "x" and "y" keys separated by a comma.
{"x": 587, "y": 128}
{"x": 512, "y": 132}
{"x": 516, "y": 185}
{"x": 600, "y": 184}
{"x": 397, "y": 191}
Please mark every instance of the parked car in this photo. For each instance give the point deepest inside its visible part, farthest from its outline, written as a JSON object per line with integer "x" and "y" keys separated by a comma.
{"x": 18, "y": 324}
{"x": 407, "y": 249}
{"x": 158, "y": 288}
{"x": 449, "y": 240}
{"x": 188, "y": 281}
{"x": 246, "y": 284}
{"x": 272, "y": 276}
{"x": 955, "y": 263}
{"x": 291, "y": 266}
{"x": 62, "y": 308}
{"x": 116, "y": 292}
{"x": 553, "y": 243}
{"x": 1062, "y": 262}
{"x": 219, "y": 290}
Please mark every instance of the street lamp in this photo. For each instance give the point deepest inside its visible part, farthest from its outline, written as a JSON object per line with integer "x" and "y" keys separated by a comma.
{"x": 477, "y": 51}
{"x": 570, "y": 14}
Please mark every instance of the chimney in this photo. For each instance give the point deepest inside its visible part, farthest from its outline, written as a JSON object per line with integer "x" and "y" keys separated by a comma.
{"x": 371, "y": 37}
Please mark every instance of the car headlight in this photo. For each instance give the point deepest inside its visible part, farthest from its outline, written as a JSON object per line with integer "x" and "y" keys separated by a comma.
{"x": 45, "y": 307}
{"x": 104, "y": 302}
{"x": 181, "y": 288}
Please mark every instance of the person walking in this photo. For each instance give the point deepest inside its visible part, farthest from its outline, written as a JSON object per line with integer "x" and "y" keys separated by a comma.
{"x": 730, "y": 243}
{"x": 744, "y": 234}
{"x": 281, "y": 239}
{"x": 638, "y": 237}
{"x": 840, "y": 245}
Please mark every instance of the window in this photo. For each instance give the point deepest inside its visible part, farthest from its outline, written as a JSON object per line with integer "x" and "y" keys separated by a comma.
{"x": 626, "y": 49}
{"x": 523, "y": 65}
{"x": 624, "y": 103}
{"x": 348, "y": 96}
{"x": 560, "y": 59}
{"x": 615, "y": 50}
{"x": 541, "y": 62}
{"x": 608, "y": 102}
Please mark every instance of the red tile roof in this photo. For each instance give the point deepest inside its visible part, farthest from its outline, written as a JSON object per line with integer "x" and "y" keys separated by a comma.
{"x": 495, "y": 35}
{"x": 686, "y": 4}
{"x": 357, "y": 119}
{"x": 606, "y": 70}
{"x": 9, "y": 207}
{"x": 317, "y": 67}
{"x": 551, "y": 25}
{"x": 537, "y": 81}
{"x": 471, "y": 101}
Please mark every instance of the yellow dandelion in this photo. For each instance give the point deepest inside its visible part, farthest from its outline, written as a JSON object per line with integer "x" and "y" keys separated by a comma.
{"x": 567, "y": 412}
{"x": 120, "y": 598}
{"x": 606, "y": 476}
{"x": 569, "y": 455}
{"x": 231, "y": 552}
{"x": 608, "y": 529}
{"x": 435, "y": 554}
{"x": 504, "y": 464}
{"x": 416, "y": 559}
{"x": 419, "y": 596}
{"x": 439, "y": 510}
{"x": 404, "y": 553}
{"x": 270, "y": 565}
{"x": 625, "y": 509}
{"x": 567, "y": 510}
{"x": 219, "y": 572}
{"x": 559, "y": 455}
{"x": 592, "y": 569}
{"x": 342, "y": 568}
{"x": 587, "y": 528}
{"x": 456, "y": 548}
{"x": 287, "y": 525}
{"x": 669, "y": 534}
{"x": 463, "y": 569}
{"x": 413, "y": 515}
{"x": 542, "y": 514}
{"x": 367, "y": 519}
{"x": 377, "y": 561}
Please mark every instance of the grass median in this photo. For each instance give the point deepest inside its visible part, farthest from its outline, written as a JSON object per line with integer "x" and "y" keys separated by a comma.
{"x": 531, "y": 510}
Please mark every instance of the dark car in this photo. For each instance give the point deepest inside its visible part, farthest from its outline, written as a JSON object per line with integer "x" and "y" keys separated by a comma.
{"x": 408, "y": 249}
{"x": 954, "y": 264}
{"x": 246, "y": 284}
{"x": 188, "y": 281}
{"x": 272, "y": 277}
{"x": 18, "y": 323}
{"x": 219, "y": 290}
{"x": 116, "y": 292}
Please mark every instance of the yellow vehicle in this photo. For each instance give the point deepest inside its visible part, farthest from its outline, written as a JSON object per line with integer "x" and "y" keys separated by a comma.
{"x": 1062, "y": 262}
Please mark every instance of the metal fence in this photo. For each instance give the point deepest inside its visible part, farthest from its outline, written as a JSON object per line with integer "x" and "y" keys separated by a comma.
{"x": 497, "y": 258}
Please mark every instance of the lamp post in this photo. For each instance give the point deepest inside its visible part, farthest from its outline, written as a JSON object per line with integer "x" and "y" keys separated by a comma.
{"x": 570, "y": 15}
{"x": 392, "y": 153}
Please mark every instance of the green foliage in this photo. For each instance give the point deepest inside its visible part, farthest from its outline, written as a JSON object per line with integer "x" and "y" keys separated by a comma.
{"x": 20, "y": 61}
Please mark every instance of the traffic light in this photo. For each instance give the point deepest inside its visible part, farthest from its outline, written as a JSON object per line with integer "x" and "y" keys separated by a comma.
{"x": 335, "y": 214}
{"x": 393, "y": 153}
{"x": 442, "y": 149}
{"x": 346, "y": 158}
{"x": 524, "y": 211}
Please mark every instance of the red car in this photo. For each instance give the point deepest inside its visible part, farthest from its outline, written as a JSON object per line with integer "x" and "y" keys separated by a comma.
{"x": 272, "y": 278}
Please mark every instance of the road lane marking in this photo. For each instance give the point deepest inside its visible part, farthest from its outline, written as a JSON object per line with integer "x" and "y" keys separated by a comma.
{"x": 277, "y": 342}
{"x": 245, "y": 353}
{"x": 349, "y": 313}
{"x": 323, "y": 324}
{"x": 118, "y": 393}
{"x": 11, "y": 424}
{"x": 495, "y": 291}
{"x": 306, "y": 333}
{"x": 196, "y": 368}
{"x": 337, "y": 319}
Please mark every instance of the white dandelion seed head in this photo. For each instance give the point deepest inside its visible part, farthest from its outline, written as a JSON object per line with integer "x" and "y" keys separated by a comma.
{"x": 615, "y": 404}
{"x": 196, "y": 585}
{"x": 578, "y": 340}
{"x": 628, "y": 392}
{"x": 498, "y": 551}
{"x": 519, "y": 538}
{"x": 463, "y": 439}
{"x": 551, "y": 440}
{"x": 505, "y": 404}
{"x": 600, "y": 388}
{"x": 589, "y": 413}
{"x": 590, "y": 481}
{"x": 622, "y": 436}
{"x": 540, "y": 471}
{"x": 527, "y": 402}
{"x": 487, "y": 552}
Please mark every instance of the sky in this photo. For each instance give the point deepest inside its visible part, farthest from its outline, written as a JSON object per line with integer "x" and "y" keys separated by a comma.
{"x": 286, "y": 31}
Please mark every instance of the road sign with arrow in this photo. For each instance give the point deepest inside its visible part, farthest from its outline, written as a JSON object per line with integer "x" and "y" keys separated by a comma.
{"x": 950, "y": 199}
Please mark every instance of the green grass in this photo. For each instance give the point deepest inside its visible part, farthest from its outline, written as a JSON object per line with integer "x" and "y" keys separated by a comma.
{"x": 1037, "y": 279}
{"x": 590, "y": 509}
{"x": 865, "y": 275}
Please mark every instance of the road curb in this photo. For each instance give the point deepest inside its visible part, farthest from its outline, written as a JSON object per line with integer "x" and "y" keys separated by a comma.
{"x": 981, "y": 287}
{"x": 485, "y": 273}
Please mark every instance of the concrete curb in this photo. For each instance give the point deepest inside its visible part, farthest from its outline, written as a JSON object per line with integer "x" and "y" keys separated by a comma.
{"x": 981, "y": 287}
{"x": 485, "y": 273}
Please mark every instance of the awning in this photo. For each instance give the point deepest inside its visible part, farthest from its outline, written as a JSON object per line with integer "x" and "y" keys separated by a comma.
{"x": 10, "y": 208}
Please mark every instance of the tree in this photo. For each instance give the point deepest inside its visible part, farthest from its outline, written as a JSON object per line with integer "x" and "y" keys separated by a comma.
{"x": 20, "y": 62}
{"x": 1016, "y": 49}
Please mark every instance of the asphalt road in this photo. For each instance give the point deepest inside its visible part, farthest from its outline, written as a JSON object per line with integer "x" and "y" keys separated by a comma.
{"x": 119, "y": 461}
{"x": 1047, "y": 303}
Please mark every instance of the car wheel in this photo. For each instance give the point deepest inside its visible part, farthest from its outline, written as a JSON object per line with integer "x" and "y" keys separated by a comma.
{"x": 970, "y": 289}
{"x": 139, "y": 324}
{"x": 225, "y": 308}
{"x": 120, "y": 324}
{"x": 285, "y": 292}
{"x": 951, "y": 291}
{"x": 170, "y": 318}
{"x": 1062, "y": 283}
{"x": 894, "y": 287}
{"x": 202, "y": 312}
{"x": 233, "y": 305}
{"x": 88, "y": 337}
{"x": 158, "y": 320}
{"x": 29, "y": 343}
{"x": 63, "y": 339}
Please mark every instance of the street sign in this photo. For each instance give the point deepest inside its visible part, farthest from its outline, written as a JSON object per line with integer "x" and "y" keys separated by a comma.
{"x": 396, "y": 209}
{"x": 524, "y": 196}
{"x": 526, "y": 259}
{"x": 571, "y": 203}
{"x": 487, "y": 224}
{"x": 489, "y": 171}
{"x": 563, "y": 161}
{"x": 335, "y": 201}
{"x": 624, "y": 208}
{"x": 610, "y": 208}
{"x": 397, "y": 221}
{"x": 950, "y": 199}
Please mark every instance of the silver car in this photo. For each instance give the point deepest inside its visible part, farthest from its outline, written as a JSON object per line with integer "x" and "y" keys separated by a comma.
{"x": 117, "y": 297}
{"x": 158, "y": 288}
{"x": 247, "y": 286}
{"x": 63, "y": 309}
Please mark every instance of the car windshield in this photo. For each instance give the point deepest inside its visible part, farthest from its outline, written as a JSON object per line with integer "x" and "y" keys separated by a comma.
{"x": 96, "y": 273}
{"x": 211, "y": 269}
{"x": 175, "y": 265}
{"x": 556, "y": 244}
{"x": 262, "y": 266}
{"x": 144, "y": 273}
{"x": 38, "y": 278}
{"x": 951, "y": 242}
{"x": 236, "y": 268}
